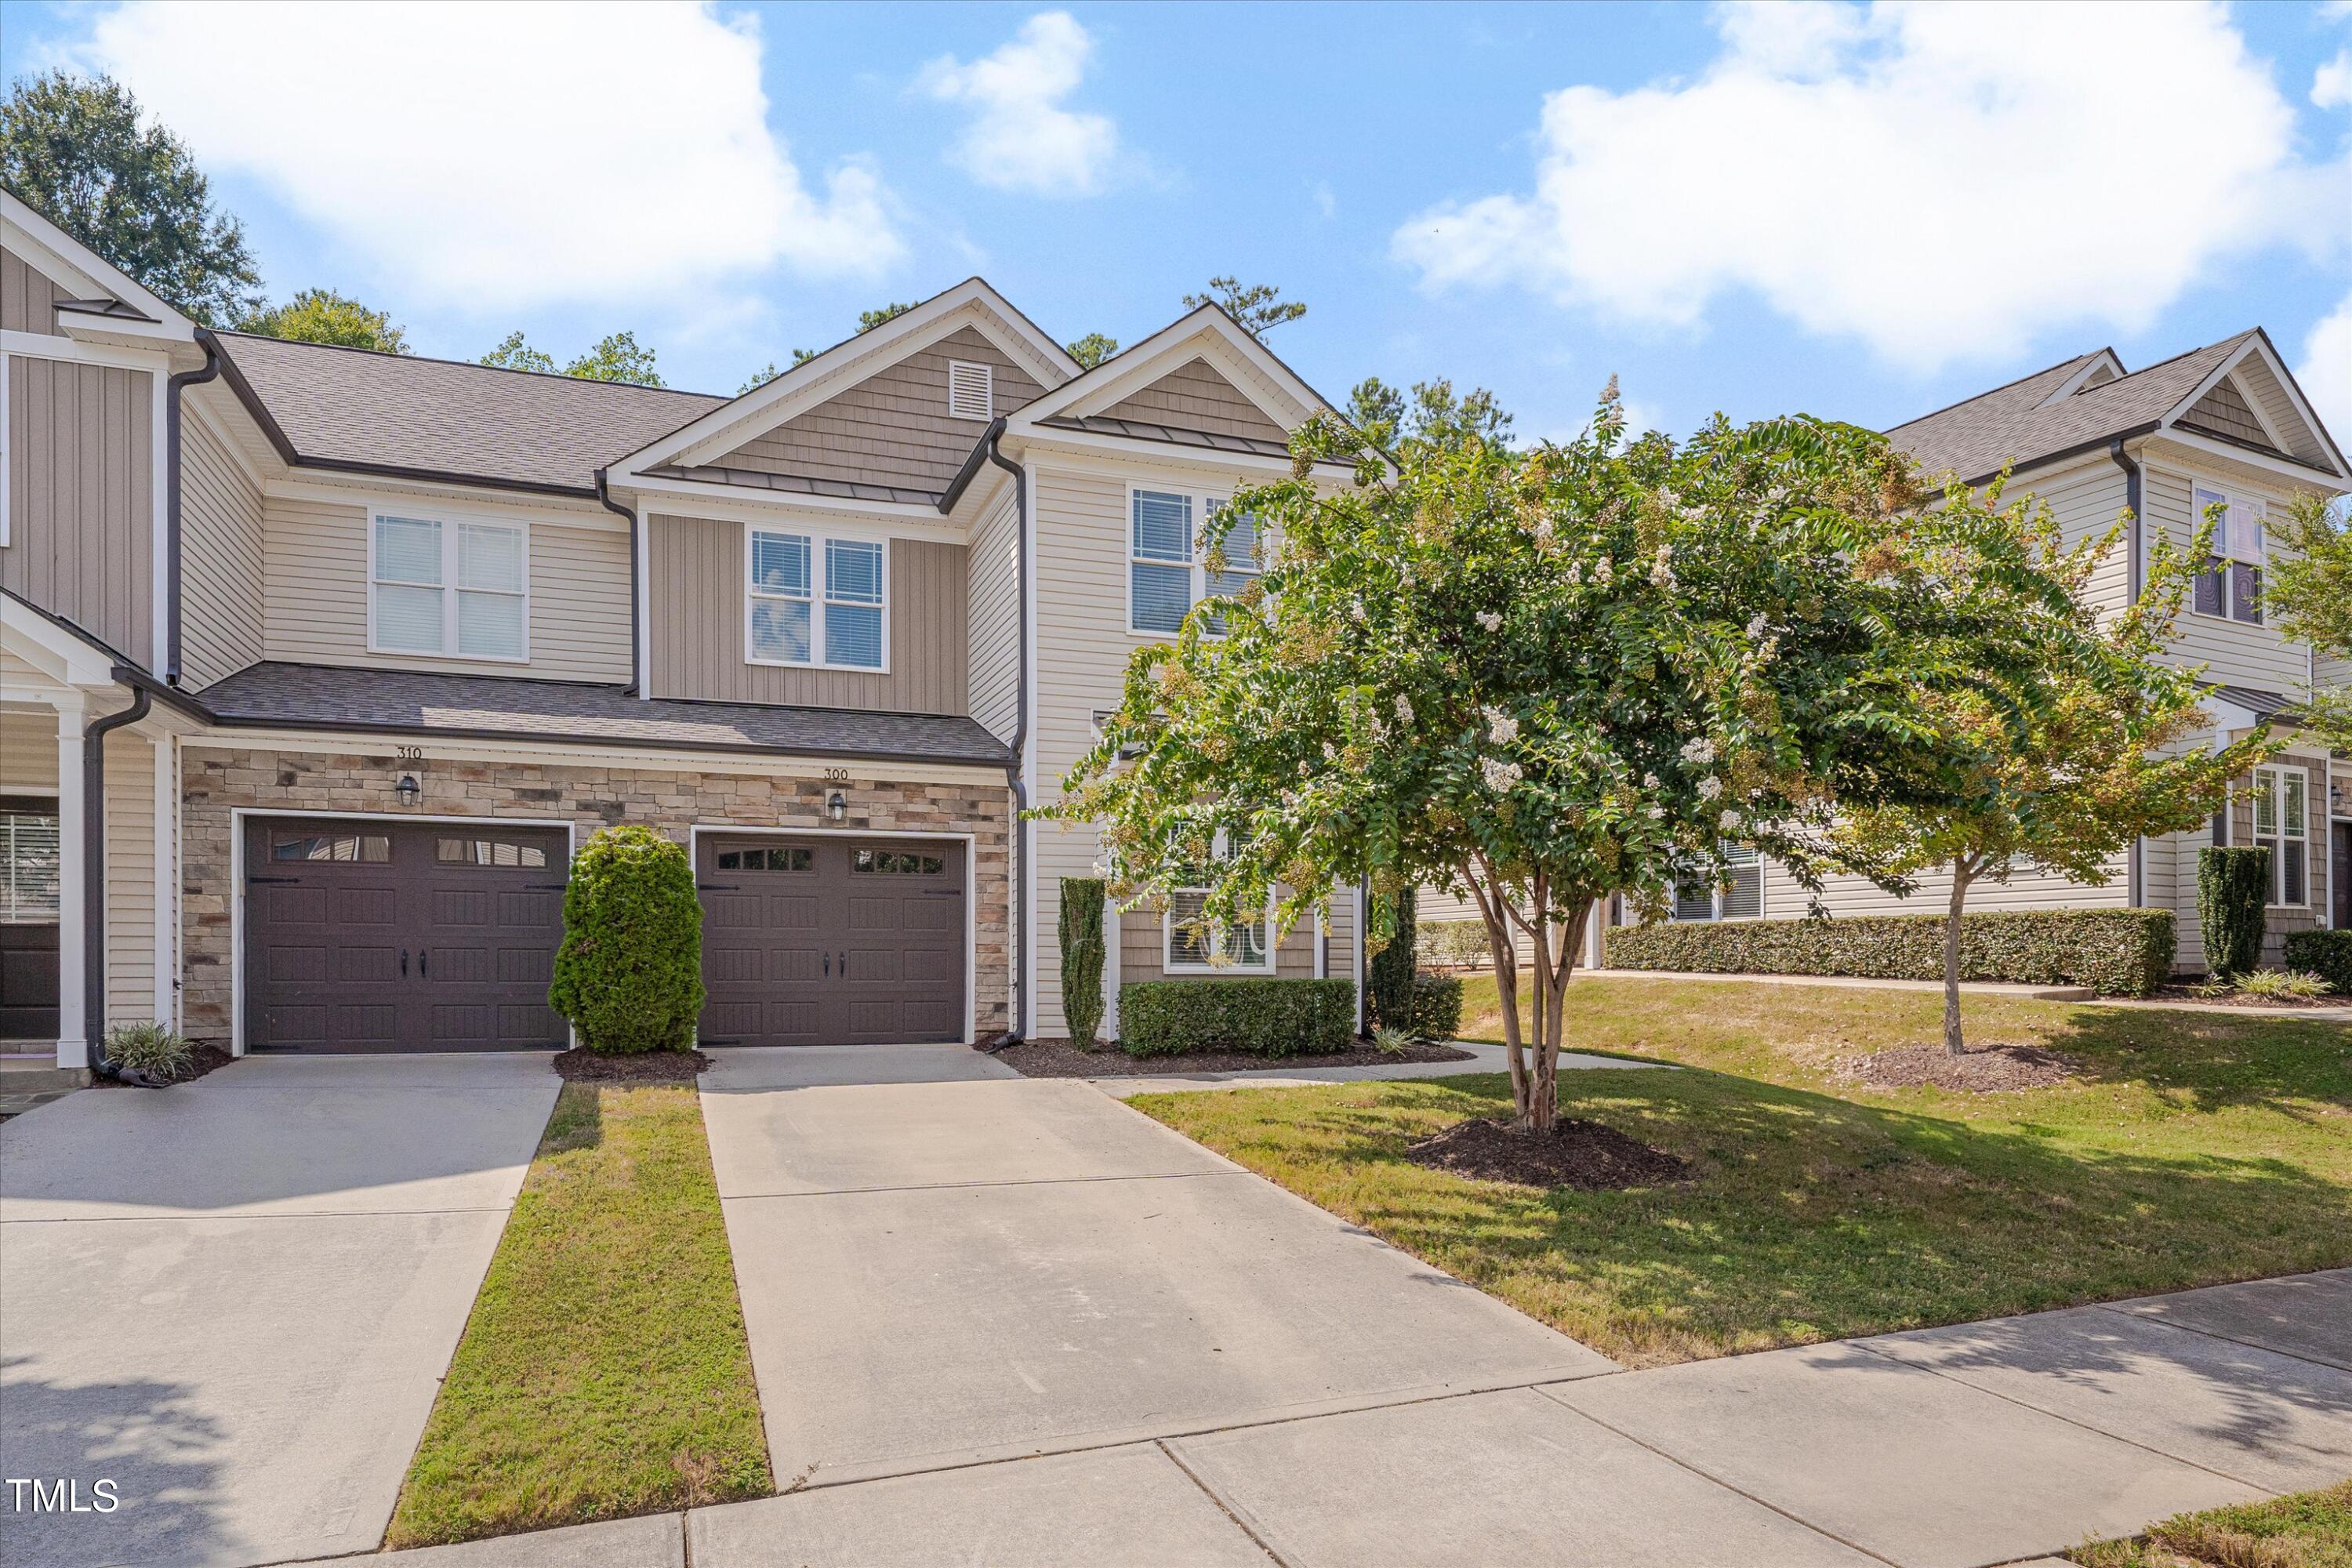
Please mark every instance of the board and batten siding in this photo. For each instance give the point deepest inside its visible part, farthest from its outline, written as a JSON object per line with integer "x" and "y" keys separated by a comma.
{"x": 893, "y": 427}
{"x": 1196, "y": 397}
{"x": 220, "y": 559}
{"x": 29, "y": 298}
{"x": 315, "y": 593}
{"x": 81, "y": 504}
{"x": 992, "y": 682}
{"x": 696, "y": 627}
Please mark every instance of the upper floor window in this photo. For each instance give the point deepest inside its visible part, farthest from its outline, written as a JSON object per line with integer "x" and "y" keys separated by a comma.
{"x": 1697, "y": 897}
{"x": 1167, "y": 571}
{"x": 825, "y": 607}
{"x": 2281, "y": 825}
{"x": 972, "y": 391}
{"x": 2231, "y": 583}
{"x": 447, "y": 588}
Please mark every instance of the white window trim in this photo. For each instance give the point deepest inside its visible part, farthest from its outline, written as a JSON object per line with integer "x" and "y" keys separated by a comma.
{"x": 816, "y": 537}
{"x": 987, "y": 389}
{"x": 449, "y": 522}
{"x": 2275, "y": 788}
{"x": 1718, "y": 891}
{"x": 1168, "y": 964}
{"x": 1202, "y": 500}
{"x": 2234, "y": 497}
{"x": 7, "y": 447}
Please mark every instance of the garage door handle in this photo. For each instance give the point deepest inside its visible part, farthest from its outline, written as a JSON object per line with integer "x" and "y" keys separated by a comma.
{"x": 420, "y": 964}
{"x": 404, "y": 963}
{"x": 844, "y": 966}
{"x": 828, "y": 965}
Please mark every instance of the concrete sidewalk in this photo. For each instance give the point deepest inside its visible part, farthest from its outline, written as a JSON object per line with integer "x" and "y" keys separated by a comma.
{"x": 1961, "y": 1448}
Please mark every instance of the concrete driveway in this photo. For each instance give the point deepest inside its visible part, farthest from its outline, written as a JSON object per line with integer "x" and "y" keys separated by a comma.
{"x": 236, "y": 1299}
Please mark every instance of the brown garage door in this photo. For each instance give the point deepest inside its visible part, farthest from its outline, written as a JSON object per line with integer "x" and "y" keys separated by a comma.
{"x": 383, "y": 936}
{"x": 831, "y": 941}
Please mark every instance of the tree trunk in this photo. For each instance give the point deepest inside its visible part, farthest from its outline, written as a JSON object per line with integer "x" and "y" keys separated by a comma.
{"x": 1491, "y": 907}
{"x": 1535, "y": 1086}
{"x": 1963, "y": 872}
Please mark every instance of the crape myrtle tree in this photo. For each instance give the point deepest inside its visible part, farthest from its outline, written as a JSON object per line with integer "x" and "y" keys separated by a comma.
{"x": 2063, "y": 772}
{"x": 1541, "y": 679}
{"x": 2310, "y": 591}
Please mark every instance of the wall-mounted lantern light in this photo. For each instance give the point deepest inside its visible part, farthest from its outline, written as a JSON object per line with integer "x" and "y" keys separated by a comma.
{"x": 408, "y": 789}
{"x": 836, "y": 806}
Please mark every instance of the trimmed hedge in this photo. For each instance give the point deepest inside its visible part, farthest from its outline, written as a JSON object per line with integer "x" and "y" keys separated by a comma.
{"x": 1263, "y": 1017}
{"x": 1436, "y": 1006}
{"x": 629, "y": 973}
{"x": 2326, "y": 953}
{"x": 1081, "y": 931}
{"x": 2232, "y": 886}
{"x": 2117, "y": 951}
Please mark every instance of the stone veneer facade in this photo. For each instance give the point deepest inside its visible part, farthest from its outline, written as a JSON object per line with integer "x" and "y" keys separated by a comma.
{"x": 216, "y": 781}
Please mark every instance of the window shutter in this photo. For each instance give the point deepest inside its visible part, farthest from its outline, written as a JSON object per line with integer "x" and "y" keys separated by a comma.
{"x": 971, "y": 390}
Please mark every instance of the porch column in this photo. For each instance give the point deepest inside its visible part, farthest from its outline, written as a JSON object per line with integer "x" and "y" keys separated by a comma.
{"x": 73, "y": 1042}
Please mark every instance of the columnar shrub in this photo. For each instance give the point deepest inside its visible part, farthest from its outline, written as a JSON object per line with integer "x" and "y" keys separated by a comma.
{"x": 629, "y": 973}
{"x": 1082, "y": 957}
{"x": 2326, "y": 953}
{"x": 2119, "y": 952}
{"x": 1389, "y": 990}
{"x": 1262, "y": 1017}
{"x": 2232, "y": 886}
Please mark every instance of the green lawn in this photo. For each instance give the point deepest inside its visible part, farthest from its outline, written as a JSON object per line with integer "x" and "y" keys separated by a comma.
{"x": 2309, "y": 1530}
{"x": 605, "y": 1370}
{"x": 2196, "y": 1148}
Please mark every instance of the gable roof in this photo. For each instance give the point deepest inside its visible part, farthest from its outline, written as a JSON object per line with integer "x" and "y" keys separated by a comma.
{"x": 106, "y": 291}
{"x": 363, "y": 412}
{"x": 2067, "y": 409}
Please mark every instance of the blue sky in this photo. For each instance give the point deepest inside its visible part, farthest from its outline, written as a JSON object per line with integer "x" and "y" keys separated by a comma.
{"x": 1863, "y": 213}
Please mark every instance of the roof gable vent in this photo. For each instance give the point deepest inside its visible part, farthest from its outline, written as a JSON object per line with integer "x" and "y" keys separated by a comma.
{"x": 971, "y": 391}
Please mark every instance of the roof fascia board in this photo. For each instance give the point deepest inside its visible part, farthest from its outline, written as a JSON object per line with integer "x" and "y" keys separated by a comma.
{"x": 1279, "y": 403}
{"x": 1161, "y": 454}
{"x": 2048, "y": 459}
{"x": 54, "y": 646}
{"x": 2072, "y": 384}
{"x": 1144, "y": 364}
{"x": 696, "y": 499}
{"x": 254, "y": 731}
{"x": 26, "y": 231}
{"x": 2215, "y": 377}
{"x": 812, "y": 380}
{"x": 554, "y": 510}
{"x": 2292, "y": 469}
{"x": 2260, "y": 341}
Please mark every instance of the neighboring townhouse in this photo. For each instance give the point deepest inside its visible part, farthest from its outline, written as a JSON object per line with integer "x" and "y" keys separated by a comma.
{"x": 2222, "y": 425}
{"x": 316, "y": 664}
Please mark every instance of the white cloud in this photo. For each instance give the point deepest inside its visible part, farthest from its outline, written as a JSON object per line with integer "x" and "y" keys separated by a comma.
{"x": 499, "y": 154}
{"x": 2325, "y": 372}
{"x": 1940, "y": 182}
{"x": 1020, "y": 137}
{"x": 2331, "y": 84}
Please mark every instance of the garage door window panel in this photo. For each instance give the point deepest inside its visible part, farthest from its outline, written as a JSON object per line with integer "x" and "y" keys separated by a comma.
{"x": 370, "y": 848}
{"x": 493, "y": 852}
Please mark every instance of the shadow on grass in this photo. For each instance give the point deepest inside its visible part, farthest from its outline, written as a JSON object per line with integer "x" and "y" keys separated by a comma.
{"x": 2208, "y": 1061}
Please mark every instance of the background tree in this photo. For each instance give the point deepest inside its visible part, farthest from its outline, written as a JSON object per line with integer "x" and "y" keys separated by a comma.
{"x": 1259, "y": 308}
{"x": 2310, "y": 589}
{"x": 1542, "y": 678}
{"x": 766, "y": 373}
{"x": 324, "y": 316}
{"x": 72, "y": 150}
{"x": 1093, "y": 349}
{"x": 616, "y": 357}
{"x": 1385, "y": 416}
{"x": 514, "y": 353}
{"x": 2064, "y": 769}
{"x": 869, "y": 319}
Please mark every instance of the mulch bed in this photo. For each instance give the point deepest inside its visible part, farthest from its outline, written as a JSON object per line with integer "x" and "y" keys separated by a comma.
{"x": 581, "y": 1065}
{"x": 2189, "y": 994}
{"x": 1060, "y": 1058}
{"x": 202, "y": 1060}
{"x": 1983, "y": 1069}
{"x": 1585, "y": 1155}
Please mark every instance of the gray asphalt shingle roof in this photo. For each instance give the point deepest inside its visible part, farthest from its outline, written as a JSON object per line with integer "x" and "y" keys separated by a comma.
{"x": 2008, "y": 425}
{"x": 430, "y": 702}
{"x": 351, "y": 407}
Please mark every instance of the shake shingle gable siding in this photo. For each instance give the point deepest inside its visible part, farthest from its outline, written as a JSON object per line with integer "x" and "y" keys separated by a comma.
{"x": 308, "y": 696}
{"x": 351, "y": 409}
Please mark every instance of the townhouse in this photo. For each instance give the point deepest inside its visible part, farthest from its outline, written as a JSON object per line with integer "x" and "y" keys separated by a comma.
{"x": 316, "y": 664}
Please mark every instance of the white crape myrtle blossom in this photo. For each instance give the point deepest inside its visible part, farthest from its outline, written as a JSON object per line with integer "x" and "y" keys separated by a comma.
{"x": 1757, "y": 624}
{"x": 1699, "y": 750}
{"x": 1649, "y": 781}
{"x": 1710, "y": 787}
{"x": 1501, "y": 728}
{"x": 1404, "y": 709}
{"x": 1490, "y": 620}
{"x": 1730, "y": 821}
{"x": 1499, "y": 774}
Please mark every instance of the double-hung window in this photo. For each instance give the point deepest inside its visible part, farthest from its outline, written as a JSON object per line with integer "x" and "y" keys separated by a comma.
{"x": 1168, "y": 570}
{"x": 1698, "y": 896}
{"x": 1192, "y": 946}
{"x": 437, "y": 586}
{"x": 817, "y": 601}
{"x": 2231, "y": 586}
{"x": 2281, "y": 825}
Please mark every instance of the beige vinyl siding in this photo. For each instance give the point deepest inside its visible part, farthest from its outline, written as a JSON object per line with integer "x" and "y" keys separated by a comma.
{"x": 130, "y": 878}
{"x": 1195, "y": 396}
{"x": 695, "y": 613}
{"x": 1786, "y": 899}
{"x": 81, "y": 505}
{"x": 2233, "y": 652}
{"x": 2085, "y": 501}
{"x": 993, "y": 680}
{"x": 28, "y": 751}
{"x": 27, "y": 297}
{"x": 315, "y": 593}
{"x": 220, "y": 559}
{"x": 891, "y": 428}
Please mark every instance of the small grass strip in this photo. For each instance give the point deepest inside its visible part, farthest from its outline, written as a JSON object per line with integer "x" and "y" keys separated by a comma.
{"x": 2308, "y": 1530}
{"x": 604, "y": 1371}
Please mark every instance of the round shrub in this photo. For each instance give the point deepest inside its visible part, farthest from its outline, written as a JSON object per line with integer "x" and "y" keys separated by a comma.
{"x": 629, "y": 973}
{"x": 2232, "y": 886}
{"x": 1436, "y": 1006}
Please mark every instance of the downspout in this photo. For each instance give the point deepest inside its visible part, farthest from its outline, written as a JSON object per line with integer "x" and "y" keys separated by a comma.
{"x": 2134, "y": 874}
{"x": 1014, "y": 776}
{"x": 604, "y": 498}
{"x": 178, "y": 383}
{"x": 93, "y": 872}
